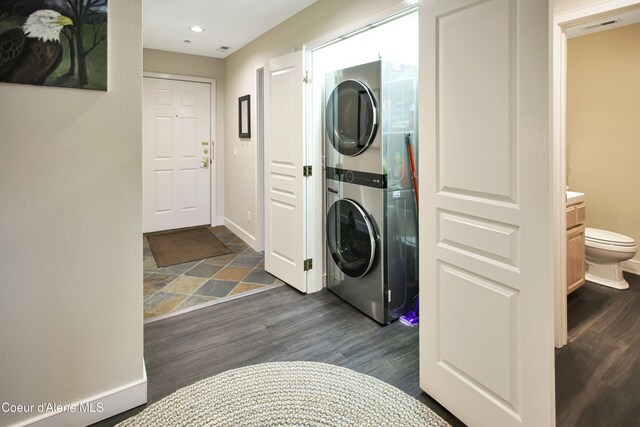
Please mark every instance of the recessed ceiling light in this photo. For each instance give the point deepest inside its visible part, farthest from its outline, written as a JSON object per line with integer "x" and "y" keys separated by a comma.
{"x": 197, "y": 29}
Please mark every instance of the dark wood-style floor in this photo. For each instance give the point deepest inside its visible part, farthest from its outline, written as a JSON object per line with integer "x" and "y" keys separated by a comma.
{"x": 598, "y": 372}
{"x": 278, "y": 325}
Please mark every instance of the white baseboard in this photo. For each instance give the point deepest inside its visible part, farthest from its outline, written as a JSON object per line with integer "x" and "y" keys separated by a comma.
{"x": 96, "y": 408}
{"x": 631, "y": 266}
{"x": 219, "y": 220}
{"x": 238, "y": 231}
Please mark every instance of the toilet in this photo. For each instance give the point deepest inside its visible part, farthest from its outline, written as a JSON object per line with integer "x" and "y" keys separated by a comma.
{"x": 605, "y": 250}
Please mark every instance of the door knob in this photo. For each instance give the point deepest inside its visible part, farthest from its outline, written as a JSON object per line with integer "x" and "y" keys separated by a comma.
{"x": 205, "y": 162}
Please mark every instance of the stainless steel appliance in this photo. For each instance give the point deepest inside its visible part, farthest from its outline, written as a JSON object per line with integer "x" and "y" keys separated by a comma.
{"x": 371, "y": 224}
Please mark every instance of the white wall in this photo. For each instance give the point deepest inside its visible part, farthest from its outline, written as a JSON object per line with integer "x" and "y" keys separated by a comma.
{"x": 160, "y": 61}
{"x": 394, "y": 41}
{"x": 318, "y": 20}
{"x": 70, "y": 232}
{"x": 561, "y": 6}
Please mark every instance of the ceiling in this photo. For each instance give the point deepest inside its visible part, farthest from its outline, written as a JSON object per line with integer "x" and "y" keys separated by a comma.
{"x": 232, "y": 23}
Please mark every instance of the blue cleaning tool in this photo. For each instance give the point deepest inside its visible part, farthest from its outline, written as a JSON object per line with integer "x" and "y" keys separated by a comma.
{"x": 412, "y": 317}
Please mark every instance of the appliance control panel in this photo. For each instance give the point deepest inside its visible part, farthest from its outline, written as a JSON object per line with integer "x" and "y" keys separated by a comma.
{"x": 356, "y": 177}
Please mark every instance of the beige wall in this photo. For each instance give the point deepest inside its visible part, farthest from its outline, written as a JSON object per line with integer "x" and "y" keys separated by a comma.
{"x": 603, "y": 130}
{"x": 160, "y": 61}
{"x": 318, "y": 20}
{"x": 70, "y": 231}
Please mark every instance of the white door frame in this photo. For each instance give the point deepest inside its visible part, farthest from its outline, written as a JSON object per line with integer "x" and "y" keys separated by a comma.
{"x": 212, "y": 112}
{"x": 561, "y": 23}
{"x": 315, "y": 138}
{"x": 260, "y": 181}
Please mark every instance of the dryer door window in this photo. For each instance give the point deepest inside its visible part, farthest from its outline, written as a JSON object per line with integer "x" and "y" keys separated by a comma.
{"x": 351, "y": 238}
{"x": 351, "y": 118}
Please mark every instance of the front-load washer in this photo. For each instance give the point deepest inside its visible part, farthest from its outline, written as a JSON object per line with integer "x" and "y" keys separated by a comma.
{"x": 371, "y": 244}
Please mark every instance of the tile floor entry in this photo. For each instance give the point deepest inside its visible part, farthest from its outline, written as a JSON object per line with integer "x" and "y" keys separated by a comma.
{"x": 185, "y": 287}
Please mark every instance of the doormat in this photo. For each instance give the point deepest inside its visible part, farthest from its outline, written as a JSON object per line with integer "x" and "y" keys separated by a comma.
{"x": 177, "y": 247}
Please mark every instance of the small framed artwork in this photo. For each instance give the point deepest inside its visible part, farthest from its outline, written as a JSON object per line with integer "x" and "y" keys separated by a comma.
{"x": 244, "y": 116}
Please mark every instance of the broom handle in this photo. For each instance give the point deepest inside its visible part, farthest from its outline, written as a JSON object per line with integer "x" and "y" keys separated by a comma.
{"x": 413, "y": 167}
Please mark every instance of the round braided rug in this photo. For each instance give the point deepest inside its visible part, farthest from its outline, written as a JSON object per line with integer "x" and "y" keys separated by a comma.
{"x": 288, "y": 394}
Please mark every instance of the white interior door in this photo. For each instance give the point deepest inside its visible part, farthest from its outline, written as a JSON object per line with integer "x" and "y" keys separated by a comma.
{"x": 176, "y": 136}
{"x": 285, "y": 246}
{"x": 486, "y": 321}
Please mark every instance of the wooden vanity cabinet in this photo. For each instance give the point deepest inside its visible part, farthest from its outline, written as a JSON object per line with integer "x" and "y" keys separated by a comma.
{"x": 575, "y": 247}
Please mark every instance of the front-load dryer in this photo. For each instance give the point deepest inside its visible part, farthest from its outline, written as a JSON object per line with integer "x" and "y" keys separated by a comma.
{"x": 352, "y": 118}
{"x": 370, "y": 117}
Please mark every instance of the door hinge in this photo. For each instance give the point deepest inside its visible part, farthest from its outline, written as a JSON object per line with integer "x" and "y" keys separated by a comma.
{"x": 308, "y": 264}
{"x": 307, "y": 77}
{"x": 307, "y": 171}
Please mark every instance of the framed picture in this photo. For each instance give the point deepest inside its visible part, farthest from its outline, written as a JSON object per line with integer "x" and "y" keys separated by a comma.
{"x": 244, "y": 116}
{"x": 60, "y": 43}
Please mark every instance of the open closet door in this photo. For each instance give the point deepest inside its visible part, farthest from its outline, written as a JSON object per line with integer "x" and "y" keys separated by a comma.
{"x": 486, "y": 320}
{"x": 284, "y": 147}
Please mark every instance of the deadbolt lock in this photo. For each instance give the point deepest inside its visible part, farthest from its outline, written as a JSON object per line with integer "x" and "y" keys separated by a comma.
{"x": 205, "y": 151}
{"x": 206, "y": 162}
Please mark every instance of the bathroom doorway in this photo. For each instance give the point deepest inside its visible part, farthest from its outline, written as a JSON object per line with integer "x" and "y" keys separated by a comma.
{"x": 586, "y": 22}
{"x": 595, "y": 91}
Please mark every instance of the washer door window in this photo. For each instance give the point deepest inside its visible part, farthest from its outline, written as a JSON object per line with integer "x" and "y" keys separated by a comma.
{"x": 351, "y": 238}
{"x": 351, "y": 118}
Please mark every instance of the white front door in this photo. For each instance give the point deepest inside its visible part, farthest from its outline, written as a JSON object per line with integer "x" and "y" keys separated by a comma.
{"x": 285, "y": 238}
{"x": 176, "y": 135}
{"x": 486, "y": 320}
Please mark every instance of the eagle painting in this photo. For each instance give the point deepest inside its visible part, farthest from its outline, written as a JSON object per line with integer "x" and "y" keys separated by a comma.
{"x": 30, "y": 54}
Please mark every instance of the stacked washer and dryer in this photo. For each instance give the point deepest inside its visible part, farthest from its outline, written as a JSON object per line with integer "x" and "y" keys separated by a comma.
{"x": 372, "y": 222}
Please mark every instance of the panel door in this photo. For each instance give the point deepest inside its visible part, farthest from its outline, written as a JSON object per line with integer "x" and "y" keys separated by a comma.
{"x": 486, "y": 321}
{"x": 285, "y": 237}
{"x": 176, "y": 150}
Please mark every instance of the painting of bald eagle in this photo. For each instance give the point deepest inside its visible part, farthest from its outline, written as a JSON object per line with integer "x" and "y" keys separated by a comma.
{"x": 54, "y": 43}
{"x": 31, "y": 53}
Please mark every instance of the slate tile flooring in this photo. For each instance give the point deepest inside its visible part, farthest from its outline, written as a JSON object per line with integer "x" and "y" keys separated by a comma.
{"x": 173, "y": 289}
